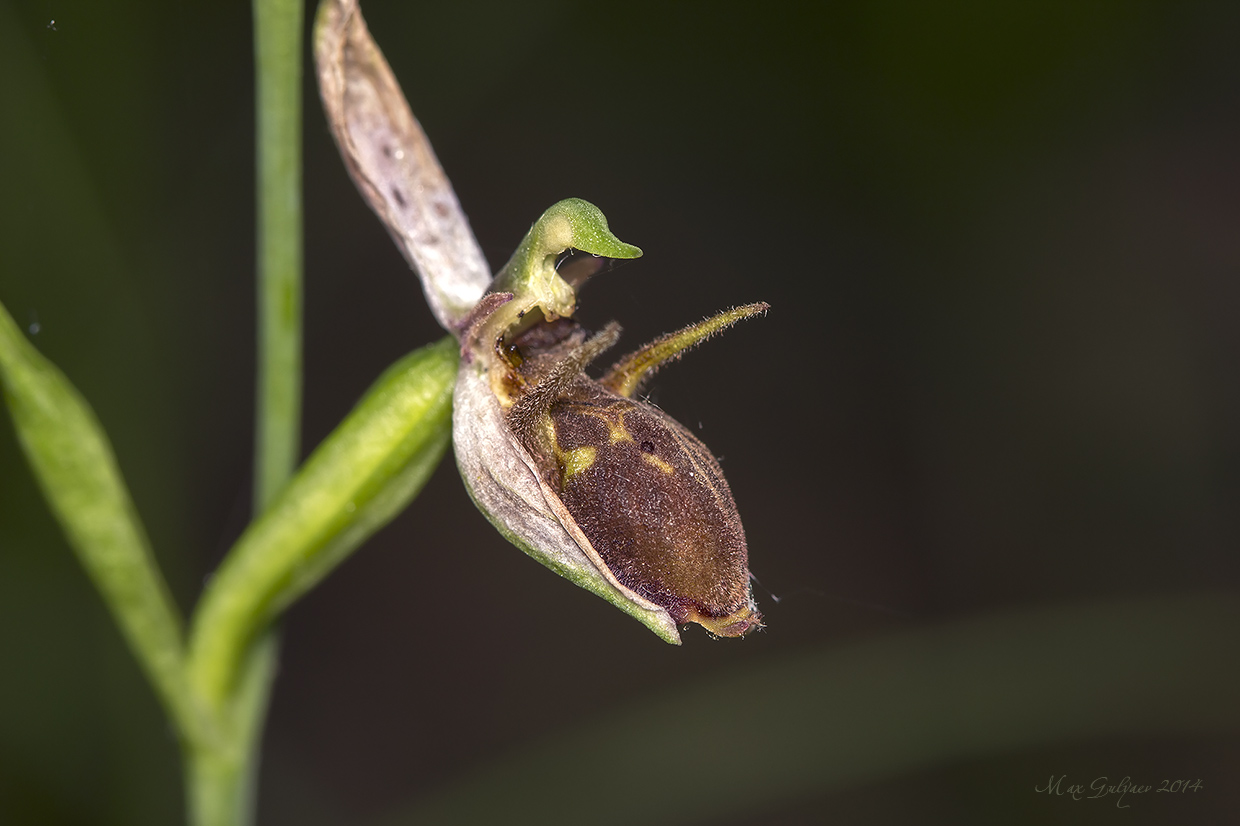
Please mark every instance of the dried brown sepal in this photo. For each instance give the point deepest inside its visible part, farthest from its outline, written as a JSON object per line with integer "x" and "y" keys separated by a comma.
{"x": 392, "y": 163}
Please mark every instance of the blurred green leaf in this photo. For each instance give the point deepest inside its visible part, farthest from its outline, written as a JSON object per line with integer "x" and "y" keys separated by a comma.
{"x": 74, "y": 465}
{"x": 362, "y": 475}
{"x": 846, "y": 715}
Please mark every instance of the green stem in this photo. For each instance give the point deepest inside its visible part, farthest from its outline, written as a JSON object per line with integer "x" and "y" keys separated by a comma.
{"x": 221, "y": 774}
{"x": 222, "y": 780}
{"x": 278, "y": 56}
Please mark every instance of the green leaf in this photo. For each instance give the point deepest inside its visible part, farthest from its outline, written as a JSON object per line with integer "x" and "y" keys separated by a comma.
{"x": 362, "y": 475}
{"x": 74, "y": 465}
{"x": 734, "y": 746}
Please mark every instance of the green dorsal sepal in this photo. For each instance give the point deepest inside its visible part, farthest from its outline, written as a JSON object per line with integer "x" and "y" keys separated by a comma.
{"x": 530, "y": 274}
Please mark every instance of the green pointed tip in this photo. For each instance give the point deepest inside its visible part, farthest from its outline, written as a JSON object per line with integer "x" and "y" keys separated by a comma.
{"x": 530, "y": 275}
{"x": 581, "y": 225}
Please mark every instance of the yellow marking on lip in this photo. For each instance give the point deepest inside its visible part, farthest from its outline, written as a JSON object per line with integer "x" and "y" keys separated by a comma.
{"x": 577, "y": 460}
{"x": 658, "y": 463}
{"x": 616, "y": 431}
{"x": 571, "y": 462}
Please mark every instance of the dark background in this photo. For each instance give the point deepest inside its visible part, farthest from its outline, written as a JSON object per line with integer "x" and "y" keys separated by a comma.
{"x": 1000, "y": 369}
